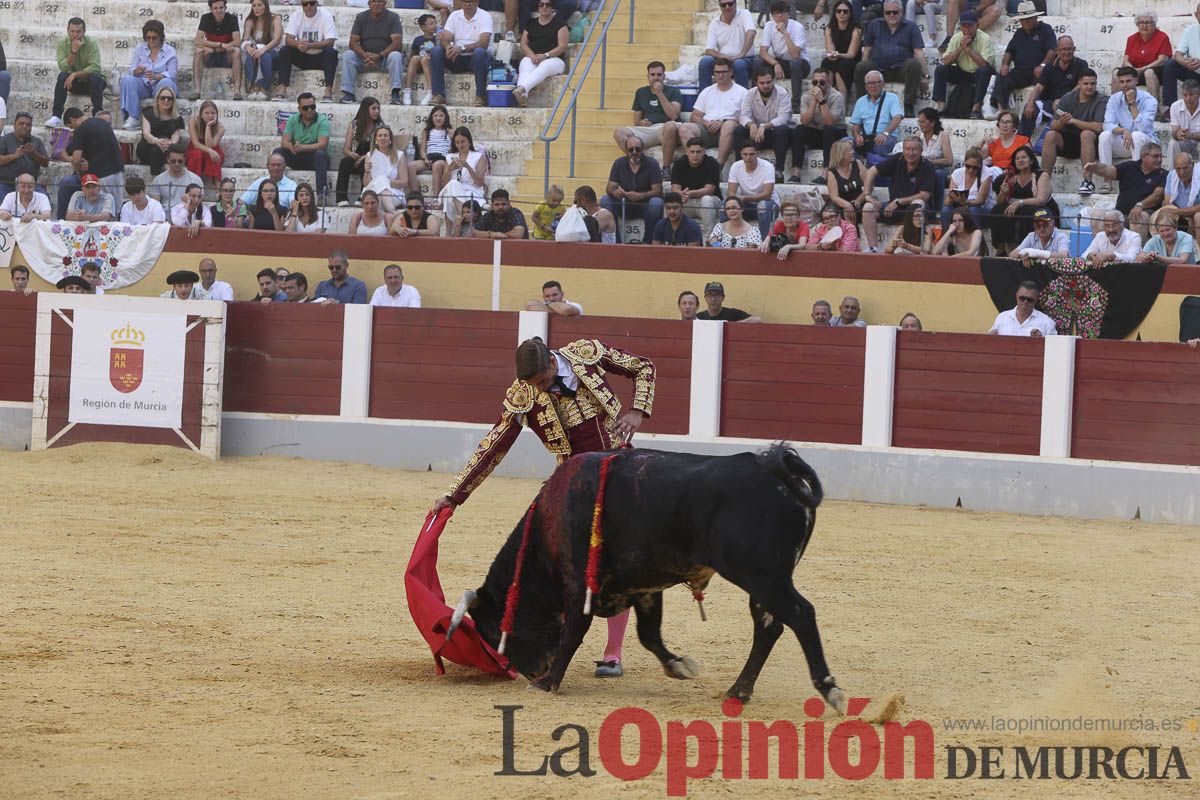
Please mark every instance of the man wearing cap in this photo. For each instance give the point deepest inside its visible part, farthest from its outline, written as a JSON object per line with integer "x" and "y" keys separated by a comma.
{"x": 1030, "y": 50}
{"x": 183, "y": 286}
{"x": 988, "y": 13}
{"x": 969, "y": 58}
{"x": 714, "y": 296}
{"x": 1045, "y": 240}
{"x": 73, "y": 284}
{"x": 1024, "y": 319}
{"x": 90, "y": 204}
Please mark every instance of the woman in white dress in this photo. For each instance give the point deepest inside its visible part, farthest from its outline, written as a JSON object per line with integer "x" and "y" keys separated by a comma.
{"x": 468, "y": 166}
{"x": 386, "y": 170}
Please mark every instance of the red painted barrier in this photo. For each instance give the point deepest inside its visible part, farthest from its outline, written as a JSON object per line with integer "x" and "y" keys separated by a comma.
{"x": 283, "y": 359}
{"x": 18, "y": 320}
{"x": 795, "y": 382}
{"x": 968, "y": 392}
{"x": 447, "y": 365}
{"x": 668, "y": 343}
{"x": 1136, "y": 401}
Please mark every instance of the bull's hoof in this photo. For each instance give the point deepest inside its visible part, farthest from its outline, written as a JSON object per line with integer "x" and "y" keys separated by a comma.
{"x": 683, "y": 668}
{"x": 544, "y": 684}
{"x": 836, "y": 698}
{"x": 737, "y": 693}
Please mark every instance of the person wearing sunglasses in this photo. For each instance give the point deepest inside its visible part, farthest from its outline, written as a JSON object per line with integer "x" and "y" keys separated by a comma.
{"x": 822, "y": 117}
{"x": 305, "y": 142}
{"x": 1024, "y": 319}
{"x": 634, "y": 188}
{"x": 731, "y": 35}
{"x": 153, "y": 66}
{"x": 169, "y": 186}
{"x": 894, "y": 47}
{"x": 415, "y": 220}
{"x": 308, "y": 43}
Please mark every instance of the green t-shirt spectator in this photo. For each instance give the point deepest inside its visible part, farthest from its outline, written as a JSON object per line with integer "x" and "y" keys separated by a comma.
{"x": 645, "y": 101}
{"x": 306, "y": 134}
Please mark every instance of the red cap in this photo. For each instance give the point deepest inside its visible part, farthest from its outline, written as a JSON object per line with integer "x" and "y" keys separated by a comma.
{"x": 90, "y": 178}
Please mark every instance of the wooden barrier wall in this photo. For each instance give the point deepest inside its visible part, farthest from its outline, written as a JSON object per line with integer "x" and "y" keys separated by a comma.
{"x": 968, "y": 392}
{"x": 668, "y": 343}
{"x": 793, "y": 382}
{"x": 1136, "y": 402}
{"x": 284, "y": 359}
{"x": 448, "y": 365}
{"x": 18, "y": 323}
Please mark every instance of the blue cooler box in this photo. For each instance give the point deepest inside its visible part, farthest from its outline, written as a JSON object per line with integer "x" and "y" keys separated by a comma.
{"x": 413, "y": 4}
{"x": 688, "y": 99}
{"x": 500, "y": 95}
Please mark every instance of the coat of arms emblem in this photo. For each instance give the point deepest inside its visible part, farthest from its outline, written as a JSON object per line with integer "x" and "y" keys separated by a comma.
{"x": 126, "y": 358}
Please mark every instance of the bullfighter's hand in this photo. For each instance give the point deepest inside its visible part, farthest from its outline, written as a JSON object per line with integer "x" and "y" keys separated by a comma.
{"x": 442, "y": 502}
{"x": 628, "y": 424}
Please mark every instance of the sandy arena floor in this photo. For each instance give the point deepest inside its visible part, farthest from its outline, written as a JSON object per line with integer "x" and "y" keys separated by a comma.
{"x": 175, "y": 628}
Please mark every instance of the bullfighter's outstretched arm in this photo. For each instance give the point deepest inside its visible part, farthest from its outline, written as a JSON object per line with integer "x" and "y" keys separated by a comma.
{"x": 492, "y": 449}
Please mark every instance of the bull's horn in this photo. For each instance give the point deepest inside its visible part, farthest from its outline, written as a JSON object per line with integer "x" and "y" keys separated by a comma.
{"x": 468, "y": 600}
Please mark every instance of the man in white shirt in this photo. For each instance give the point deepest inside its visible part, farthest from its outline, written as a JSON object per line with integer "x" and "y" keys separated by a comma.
{"x": 463, "y": 47}
{"x": 1185, "y": 122}
{"x": 1115, "y": 243}
{"x": 731, "y": 35}
{"x": 781, "y": 46}
{"x": 309, "y": 40}
{"x": 1024, "y": 319}
{"x": 715, "y": 115}
{"x": 554, "y": 302}
{"x": 752, "y": 181}
{"x": 140, "y": 208}
{"x": 395, "y": 293}
{"x": 1182, "y": 192}
{"x": 25, "y": 204}
{"x": 1045, "y": 240}
{"x": 169, "y": 186}
{"x": 215, "y": 289}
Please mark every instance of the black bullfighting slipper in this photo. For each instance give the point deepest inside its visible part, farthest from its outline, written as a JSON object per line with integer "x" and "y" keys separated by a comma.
{"x": 609, "y": 669}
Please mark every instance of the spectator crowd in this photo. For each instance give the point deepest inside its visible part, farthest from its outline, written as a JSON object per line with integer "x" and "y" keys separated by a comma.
{"x": 733, "y": 167}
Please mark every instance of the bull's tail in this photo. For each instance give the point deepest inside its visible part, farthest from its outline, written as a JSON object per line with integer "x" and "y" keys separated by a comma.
{"x": 782, "y": 461}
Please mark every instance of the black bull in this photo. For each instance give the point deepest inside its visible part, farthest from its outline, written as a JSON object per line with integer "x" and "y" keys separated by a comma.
{"x": 669, "y": 518}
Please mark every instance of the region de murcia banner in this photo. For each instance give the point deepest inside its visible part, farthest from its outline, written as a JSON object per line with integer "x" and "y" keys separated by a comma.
{"x": 127, "y": 369}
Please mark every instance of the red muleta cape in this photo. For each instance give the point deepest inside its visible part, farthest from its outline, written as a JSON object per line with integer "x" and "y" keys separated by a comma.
{"x": 427, "y": 605}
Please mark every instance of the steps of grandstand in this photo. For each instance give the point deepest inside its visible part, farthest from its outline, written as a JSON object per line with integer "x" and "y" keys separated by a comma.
{"x": 672, "y": 31}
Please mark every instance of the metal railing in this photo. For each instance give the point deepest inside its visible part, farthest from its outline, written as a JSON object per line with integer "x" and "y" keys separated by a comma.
{"x": 597, "y": 40}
